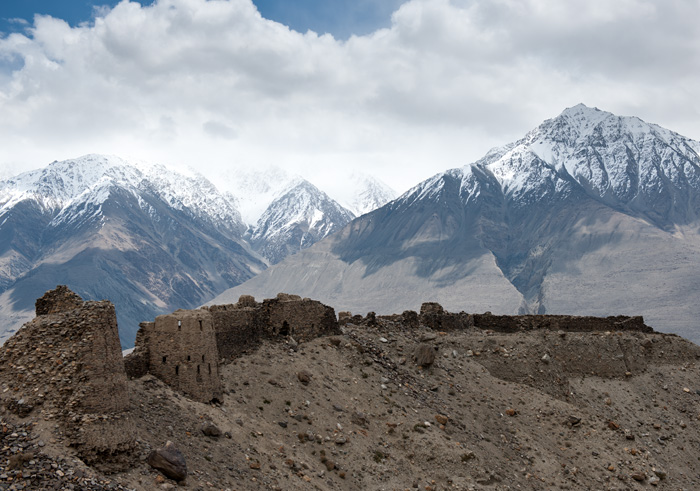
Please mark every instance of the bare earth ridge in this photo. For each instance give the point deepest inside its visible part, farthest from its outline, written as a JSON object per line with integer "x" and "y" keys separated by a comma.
{"x": 528, "y": 409}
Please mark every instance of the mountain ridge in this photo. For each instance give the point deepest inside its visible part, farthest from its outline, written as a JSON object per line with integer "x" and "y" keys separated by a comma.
{"x": 530, "y": 222}
{"x": 147, "y": 236}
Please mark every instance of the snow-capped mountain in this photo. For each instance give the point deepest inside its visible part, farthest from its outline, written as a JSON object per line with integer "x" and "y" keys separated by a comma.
{"x": 622, "y": 161}
{"x": 365, "y": 193}
{"x": 87, "y": 181}
{"x": 147, "y": 238}
{"x": 589, "y": 213}
{"x": 298, "y": 217}
{"x": 253, "y": 190}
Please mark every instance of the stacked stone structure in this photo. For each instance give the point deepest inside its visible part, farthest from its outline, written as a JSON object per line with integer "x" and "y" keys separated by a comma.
{"x": 434, "y": 316}
{"x": 184, "y": 349}
{"x": 302, "y": 318}
{"x": 66, "y": 364}
{"x": 180, "y": 349}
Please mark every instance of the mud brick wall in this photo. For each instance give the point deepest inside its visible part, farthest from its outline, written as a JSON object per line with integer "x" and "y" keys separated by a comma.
{"x": 303, "y": 319}
{"x": 67, "y": 365}
{"x": 236, "y": 328}
{"x": 182, "y": 353}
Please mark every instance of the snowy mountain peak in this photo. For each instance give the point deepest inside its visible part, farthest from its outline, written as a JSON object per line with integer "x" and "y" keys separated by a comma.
{"x": 621, "y": 161}
{"x": 88, "y": 180}
{"x": 298, "y": 217}
{"x": 366, "y": 193}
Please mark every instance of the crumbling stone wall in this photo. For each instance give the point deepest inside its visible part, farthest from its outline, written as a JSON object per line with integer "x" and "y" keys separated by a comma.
{"x": 67, "y": 365}
{"x": 236, "y": 328}
{"x": 182, "y": 353}
{"x": 137, "y": 362}
{"x": 303, "y": 319}
{"x": 435, "y": 317}
{"x": 508, "y": 323}
{"x": 185, "y": 348}
{"x": 59, "y": 300}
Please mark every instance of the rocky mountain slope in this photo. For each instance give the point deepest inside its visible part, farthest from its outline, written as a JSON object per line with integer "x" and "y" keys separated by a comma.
{"x": 389, "y": 403}
{"x": 148, "y": 238}
{"x": 589, "y": 213}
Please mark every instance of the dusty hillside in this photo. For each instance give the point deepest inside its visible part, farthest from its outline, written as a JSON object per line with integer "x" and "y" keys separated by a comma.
{"x": 534, "y": 410}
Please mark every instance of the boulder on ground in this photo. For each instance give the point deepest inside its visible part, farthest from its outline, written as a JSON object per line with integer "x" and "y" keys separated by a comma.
{"x": 424, "y": 355}
{"x": 170, "y": 461}
{"x": 210, "y": 429}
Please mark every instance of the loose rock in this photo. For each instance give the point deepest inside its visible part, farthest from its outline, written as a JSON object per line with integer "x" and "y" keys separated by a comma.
{"x": 170, "y": 461}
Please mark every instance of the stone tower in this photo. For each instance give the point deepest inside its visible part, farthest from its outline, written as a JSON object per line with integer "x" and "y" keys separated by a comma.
{"x": 186, "y": 357}
{"x": 67, "y": 363}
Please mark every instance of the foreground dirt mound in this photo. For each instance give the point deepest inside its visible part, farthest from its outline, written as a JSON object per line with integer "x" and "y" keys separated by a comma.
{"x": 534, "y": 409}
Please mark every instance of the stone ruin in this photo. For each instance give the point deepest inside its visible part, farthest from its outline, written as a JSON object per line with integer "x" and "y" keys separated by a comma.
{"x": 73, "y": 347}
{"x": 184, "y": 349}
{"x": 433, "y": 316}
{"x": 180, "y": 349}
{"x": 67, "y": 364}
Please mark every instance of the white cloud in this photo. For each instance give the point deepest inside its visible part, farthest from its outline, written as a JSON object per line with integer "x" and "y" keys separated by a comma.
{"x": 214, "y": 85}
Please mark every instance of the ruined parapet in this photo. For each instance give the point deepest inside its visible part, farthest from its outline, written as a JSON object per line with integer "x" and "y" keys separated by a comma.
{"x": 512, "y": 323}
{"x": 246, "y": 301}
{"x": 290, "y": 315}
{"x": 432, "y": 315}
{"x": 67, "y": 365}
{"x": 58, "y": 300}
{"x": 236, "y": 327}
{"x": 136, "y": 364}
{"x": 182, "y": 353}
{"x": 344, "y": 317}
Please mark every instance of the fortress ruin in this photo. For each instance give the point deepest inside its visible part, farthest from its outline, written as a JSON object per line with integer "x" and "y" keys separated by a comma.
{"x": 67, "y": 361}
{"x": 184, "y": 349}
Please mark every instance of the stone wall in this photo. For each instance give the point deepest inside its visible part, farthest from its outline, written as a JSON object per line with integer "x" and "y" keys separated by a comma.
{"x": 184, "y": 349}
{"x": 236, "y": 327}
{"x": 432, "y": 315}
{"x": 507, "y": 323}
{"x": 435, "y": 317}
{"x": 182, "y": 353}
{"x": 59, "y": 300}
{"x": 67, "y": 365}
{"x": 303, "y": 319}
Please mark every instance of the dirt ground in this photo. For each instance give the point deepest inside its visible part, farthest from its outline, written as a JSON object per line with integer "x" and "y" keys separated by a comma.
{"x": 528, "y": 410}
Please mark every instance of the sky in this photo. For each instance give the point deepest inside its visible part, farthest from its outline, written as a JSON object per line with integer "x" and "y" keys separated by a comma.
{"x": 398, "y": 89}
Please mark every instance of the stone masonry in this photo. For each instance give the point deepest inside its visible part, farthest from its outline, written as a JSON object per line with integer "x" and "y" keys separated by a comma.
{"x": 184, "y": 349}
{"x": 66, "y": 364}
{"x": 180, "y": 349}
{"x": 434, "y": 316}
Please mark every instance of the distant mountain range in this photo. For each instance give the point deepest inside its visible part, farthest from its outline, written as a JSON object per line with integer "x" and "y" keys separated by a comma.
{"x": 147, "y": 238}
{"x": 589, "y": 213}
